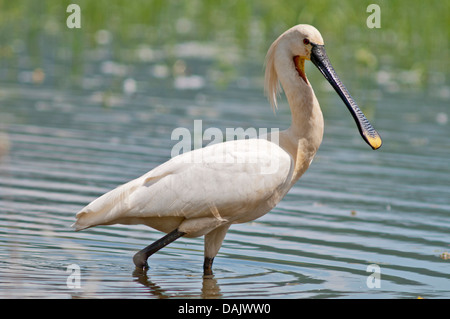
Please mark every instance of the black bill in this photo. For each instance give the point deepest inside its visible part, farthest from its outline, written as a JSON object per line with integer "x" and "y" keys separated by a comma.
{"x": 320, "y": 59}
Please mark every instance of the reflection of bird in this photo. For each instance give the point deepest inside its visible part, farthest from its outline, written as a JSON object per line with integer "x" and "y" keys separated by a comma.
{"x": 210, "y": 287}
{"x": 204, "y": 191}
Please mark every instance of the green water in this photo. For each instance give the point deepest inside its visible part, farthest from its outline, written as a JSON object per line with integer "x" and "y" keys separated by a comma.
{"x": 82, "y": 111}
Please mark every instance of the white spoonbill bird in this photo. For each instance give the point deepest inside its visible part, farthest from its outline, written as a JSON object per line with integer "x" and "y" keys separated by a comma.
{"x": 203, "y": 192}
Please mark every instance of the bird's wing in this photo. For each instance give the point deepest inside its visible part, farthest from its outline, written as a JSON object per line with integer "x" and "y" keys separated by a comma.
{"x": 222, "y": 179}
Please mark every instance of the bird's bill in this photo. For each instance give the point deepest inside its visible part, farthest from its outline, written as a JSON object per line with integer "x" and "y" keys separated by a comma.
{"x": 322, "y": 62}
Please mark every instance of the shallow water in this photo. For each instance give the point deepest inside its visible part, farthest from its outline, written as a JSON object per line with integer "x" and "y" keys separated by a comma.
{"x": 355, "y": 207}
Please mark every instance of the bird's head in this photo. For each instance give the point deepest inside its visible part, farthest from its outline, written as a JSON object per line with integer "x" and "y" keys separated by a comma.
{"x": 304, "y": 42}
{"x": 301, "y": 39}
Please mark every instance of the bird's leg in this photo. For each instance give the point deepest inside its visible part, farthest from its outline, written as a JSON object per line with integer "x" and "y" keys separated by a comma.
{"x": 213, "y": 241}
{"x": 207, "y": 266}
{"x": 140, "y": 259}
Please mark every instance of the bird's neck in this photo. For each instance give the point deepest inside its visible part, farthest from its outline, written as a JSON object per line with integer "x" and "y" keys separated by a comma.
{"x": 303, "y": 138}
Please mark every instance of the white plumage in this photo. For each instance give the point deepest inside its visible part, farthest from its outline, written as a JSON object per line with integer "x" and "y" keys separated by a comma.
{"x": 193, "y": 193}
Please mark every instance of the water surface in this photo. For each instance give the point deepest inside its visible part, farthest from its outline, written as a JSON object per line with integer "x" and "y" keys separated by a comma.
{"x": 63, "y": 147}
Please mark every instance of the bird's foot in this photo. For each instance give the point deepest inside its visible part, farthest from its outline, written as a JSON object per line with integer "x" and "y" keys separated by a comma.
{"x": 207, "y": 266}
{"x": 140, "y": 261}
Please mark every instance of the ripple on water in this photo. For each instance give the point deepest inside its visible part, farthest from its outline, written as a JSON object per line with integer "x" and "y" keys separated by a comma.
{"x": 353, "y": 208}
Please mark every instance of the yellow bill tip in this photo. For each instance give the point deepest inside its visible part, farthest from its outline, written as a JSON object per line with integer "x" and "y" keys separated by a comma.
{"x": 374, "y": 141}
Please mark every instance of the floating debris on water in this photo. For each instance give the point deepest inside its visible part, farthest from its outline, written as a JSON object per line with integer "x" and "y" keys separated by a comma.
{"x": 445, "y": 256}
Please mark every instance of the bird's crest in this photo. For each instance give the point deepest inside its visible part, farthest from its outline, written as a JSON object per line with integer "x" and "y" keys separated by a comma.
{"x": 272, "y": 87}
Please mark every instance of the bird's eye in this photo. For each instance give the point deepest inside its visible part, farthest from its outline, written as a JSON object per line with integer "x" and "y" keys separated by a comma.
{"x": 305, "y": 41}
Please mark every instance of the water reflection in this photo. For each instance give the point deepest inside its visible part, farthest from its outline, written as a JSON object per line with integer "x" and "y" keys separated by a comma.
{"x": 210, "y": 288}
{"x": 155, "y": 290}
{"x": 60, "y": 158}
